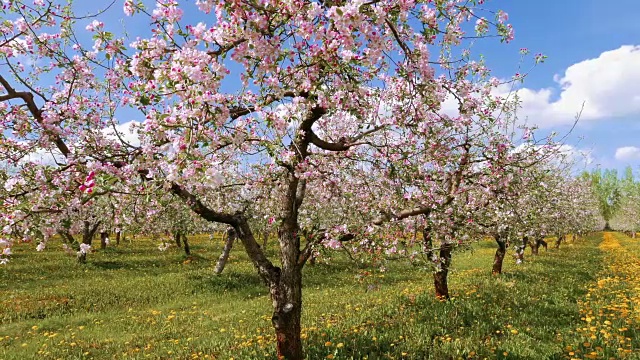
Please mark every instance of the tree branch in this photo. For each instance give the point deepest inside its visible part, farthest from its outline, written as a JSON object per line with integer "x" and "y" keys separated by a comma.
{"x": 402, "y": 215}
{"x": 27, "y": 97}
{"x": 344, "y": 143}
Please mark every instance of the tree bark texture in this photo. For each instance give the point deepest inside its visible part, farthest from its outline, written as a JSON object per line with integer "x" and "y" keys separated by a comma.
{"x": 440, "y": 277}
{"x": 104, "y": 236}
{"x": 89, "y": 232}
{"x": 499, "y": 256}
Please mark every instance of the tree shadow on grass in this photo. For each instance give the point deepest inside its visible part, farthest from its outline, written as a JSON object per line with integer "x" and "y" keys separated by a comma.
{"x": 247, "y": 283}
{"x": 345, "y": 272}
{"x": 518, "y": 315}
{"x": 165, "y": 263}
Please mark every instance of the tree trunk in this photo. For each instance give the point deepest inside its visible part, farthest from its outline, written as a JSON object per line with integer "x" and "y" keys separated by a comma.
{"x": 427, "y": 244}
{"x": 559, "y": 239}
{"x": 104, "y": 239}
{"x": 222, "y": 260}
{"x": 535, "y": 245}
{"x": 265, "y": 238}
{"x": 520, "y": 250}
{"x": 441, "y": 260}
{"x": 176, "y": 238}
{"x": 499, "y": 257}
{"x": 185, "y": 242}
{"x": 440, "y": 276}
{"x": 118, "y": 234}
{"x": 285, "y": 286}
{"x": 286, "y": 317}
{"x": 87, "y": 239}
{"x": 89, "y": 232}
{"x": 286, "y": 294}
{"x": 606, "y": 226}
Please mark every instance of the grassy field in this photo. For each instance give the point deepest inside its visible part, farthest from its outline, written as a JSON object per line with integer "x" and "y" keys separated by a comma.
{"x": 134, "y": 302}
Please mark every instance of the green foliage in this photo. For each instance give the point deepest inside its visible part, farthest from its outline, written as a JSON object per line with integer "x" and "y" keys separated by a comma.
{"x": 607, "y": 188}
{"x": 133, "y": 302}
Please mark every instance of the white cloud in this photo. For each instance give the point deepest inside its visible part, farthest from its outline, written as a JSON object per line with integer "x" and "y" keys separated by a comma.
{"x": 607, "y": 86}
{"x": 627, "y": 153}
{"x": 43, "y": 157}
{"x": 127, "y": 132}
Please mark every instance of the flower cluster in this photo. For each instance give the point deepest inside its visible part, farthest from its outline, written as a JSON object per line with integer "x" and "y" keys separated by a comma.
{"x": 89, "y": 183}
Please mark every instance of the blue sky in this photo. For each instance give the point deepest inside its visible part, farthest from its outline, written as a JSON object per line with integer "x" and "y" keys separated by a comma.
{"x": 593, "y": 50}
{"x": 571, "y": 32}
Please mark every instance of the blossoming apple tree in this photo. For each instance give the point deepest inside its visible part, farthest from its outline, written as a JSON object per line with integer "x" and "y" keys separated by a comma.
{"x": 326, "y": 118}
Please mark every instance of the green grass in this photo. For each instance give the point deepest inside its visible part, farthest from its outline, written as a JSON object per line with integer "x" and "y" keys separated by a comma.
{"x": 133, "y": 301}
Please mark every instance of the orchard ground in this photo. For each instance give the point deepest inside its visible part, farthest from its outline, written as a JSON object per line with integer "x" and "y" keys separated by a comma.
{"x": 134, "y": 302}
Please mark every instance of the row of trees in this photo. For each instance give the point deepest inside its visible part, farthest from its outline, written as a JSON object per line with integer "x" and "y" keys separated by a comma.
{"x": 367, "y": 126}
{"x": 619, "y": 198}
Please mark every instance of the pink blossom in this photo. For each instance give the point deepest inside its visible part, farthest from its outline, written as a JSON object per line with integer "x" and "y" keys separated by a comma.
{"x": 129, "y": 7}
{"x": 333, "y": 244}
{"x": 95, "y": 25}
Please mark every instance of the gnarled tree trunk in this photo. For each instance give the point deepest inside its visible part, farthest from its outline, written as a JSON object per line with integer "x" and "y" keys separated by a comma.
{"x": 440, "y": 277}
{"x": 287, "y": 296}
{"x": 499, "y": 256}
{"x": 285, "y": 285}
{"x": 441, "y": 259}
{"x": 88, "y": 233}
{"x": 222, "y": 260}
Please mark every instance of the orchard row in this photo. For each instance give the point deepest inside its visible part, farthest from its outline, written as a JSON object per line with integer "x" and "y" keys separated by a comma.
{"x": 368, "y": 127}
